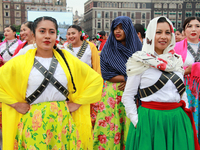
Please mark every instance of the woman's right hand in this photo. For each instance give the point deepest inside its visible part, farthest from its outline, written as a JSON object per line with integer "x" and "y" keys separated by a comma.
{"x": 122, "y": 86}
{"x": 22, "y": 108}
{"x": 188, "y": 70}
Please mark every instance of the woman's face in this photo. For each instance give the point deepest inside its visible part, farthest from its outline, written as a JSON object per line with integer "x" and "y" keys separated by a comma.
{"x": 9, "y": 34}
{"x": 162, "y": 37}
{"x": 119, "y": 33}
{"x": 178, "y": 36}
{"x": 192, "y": 31}
{"x": 45, "y": 35}
{"x": 26, "y": 33}
{"x": 73, "y": 36}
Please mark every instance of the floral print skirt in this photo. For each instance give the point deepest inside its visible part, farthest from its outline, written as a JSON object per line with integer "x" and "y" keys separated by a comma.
{"x": 47, "y": 126}
{"x": 111, "y": 127}
{"x": 93, "y": 112}
{"x": 194, "y": 105}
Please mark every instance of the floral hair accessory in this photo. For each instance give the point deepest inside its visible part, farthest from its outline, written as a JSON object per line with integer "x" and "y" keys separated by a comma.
{"x": 83, "y": 33}
{"x": 85, "y": 36}
{"x": 172, "y": 28}
{"x": 98, "y": 36}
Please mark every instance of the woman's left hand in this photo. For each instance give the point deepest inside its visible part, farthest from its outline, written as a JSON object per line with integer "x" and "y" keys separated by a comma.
{"x": 122, "y": 86}
{"x": 188, "y": 70}
{"x": 73, "y": 106}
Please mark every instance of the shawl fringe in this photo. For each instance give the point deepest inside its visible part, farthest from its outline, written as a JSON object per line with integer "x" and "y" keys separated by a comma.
{"x": 194, "y": 79}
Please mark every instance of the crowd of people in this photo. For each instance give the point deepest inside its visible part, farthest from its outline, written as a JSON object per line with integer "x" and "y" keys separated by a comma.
{"x": 134, "y": 89}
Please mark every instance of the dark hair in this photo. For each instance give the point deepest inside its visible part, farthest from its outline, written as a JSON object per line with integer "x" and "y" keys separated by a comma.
{"x": 38, "y": 20}
{"x": 102, "y": 33}
{"x": 140, "y": 28}
{"x": 162, "y": 20}
{"x": 180, "y": 30}
{"x": 188, "y": 21}
{"x": 12, "y": 28}
{"x": 77, "y": 28}
{"x": 1, "y": 37}
{"x": 29, "y": 24}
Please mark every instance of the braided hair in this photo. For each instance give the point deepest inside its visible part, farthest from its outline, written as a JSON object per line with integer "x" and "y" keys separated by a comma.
{"x": 35, "y": 23}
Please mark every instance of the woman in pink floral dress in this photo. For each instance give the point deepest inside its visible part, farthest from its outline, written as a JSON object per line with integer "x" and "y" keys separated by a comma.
{"x": 112, "y": 125}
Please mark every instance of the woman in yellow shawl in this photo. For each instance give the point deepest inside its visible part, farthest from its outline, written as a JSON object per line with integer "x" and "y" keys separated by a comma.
{"x": 46, "y": 123}
{"x": 87, "y": 52}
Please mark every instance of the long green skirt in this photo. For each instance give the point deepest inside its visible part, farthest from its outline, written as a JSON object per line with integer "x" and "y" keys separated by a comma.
{"x": 47, "y": 126}
{"x": 111, "y": 127}
{"x": 161, "y": 130}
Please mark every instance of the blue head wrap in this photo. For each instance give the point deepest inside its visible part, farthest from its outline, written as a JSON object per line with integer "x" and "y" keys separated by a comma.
{"x": 114, "y": 54}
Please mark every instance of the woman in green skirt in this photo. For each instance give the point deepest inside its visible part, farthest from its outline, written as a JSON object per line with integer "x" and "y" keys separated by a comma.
{"x": 46, "y": 95}
{"x": 111, "y": 127}
{"x": 162, "y": 122}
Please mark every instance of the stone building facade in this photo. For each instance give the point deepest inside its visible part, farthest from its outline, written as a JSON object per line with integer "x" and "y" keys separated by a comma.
{"x": 15, "y": 11}
{"x": 98, "y": 14}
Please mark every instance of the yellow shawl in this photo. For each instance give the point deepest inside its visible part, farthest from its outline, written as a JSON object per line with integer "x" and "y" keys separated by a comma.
{"x": 14, "y": 78}
{"x": 95, "y": 58}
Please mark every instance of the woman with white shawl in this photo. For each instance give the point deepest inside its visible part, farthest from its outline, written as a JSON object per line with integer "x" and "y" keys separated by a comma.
{"x": 162, "y": 122}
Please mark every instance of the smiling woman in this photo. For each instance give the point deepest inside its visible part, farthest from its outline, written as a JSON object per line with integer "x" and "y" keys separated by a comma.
{"x": 87, "y": 52}
{"x": 45, "y": 94}
{"x": 162, "y": 37}
{"x": 156, "y": 73}
{"x": 9, "y": 45}
{"x": 26, "y": 32}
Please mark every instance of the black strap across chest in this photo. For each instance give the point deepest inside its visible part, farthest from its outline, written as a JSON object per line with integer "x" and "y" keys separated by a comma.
{"x": 48, "y": 78}
{"x": 7, "y": 48}
{"x": 165, "y": 76}
{"x": 196, "y": 56}
{"x": 81, "y": 50}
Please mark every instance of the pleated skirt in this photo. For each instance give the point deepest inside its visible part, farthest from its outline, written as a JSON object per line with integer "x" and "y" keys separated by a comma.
{"x": 161, "y": 130}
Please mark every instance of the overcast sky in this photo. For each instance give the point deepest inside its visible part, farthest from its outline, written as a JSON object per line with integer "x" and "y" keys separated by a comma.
{"x": 77, "y": 5}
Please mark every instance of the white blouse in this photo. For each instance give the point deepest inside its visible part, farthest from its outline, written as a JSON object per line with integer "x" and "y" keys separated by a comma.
{"x": 6, "y": 56}
{"x": 189, "y": 58}
{"x": 87, "y": 55}
{"x": 36, "y": 78}
{"x": 168, "y": 93}
{"x": 25, "y": 49}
